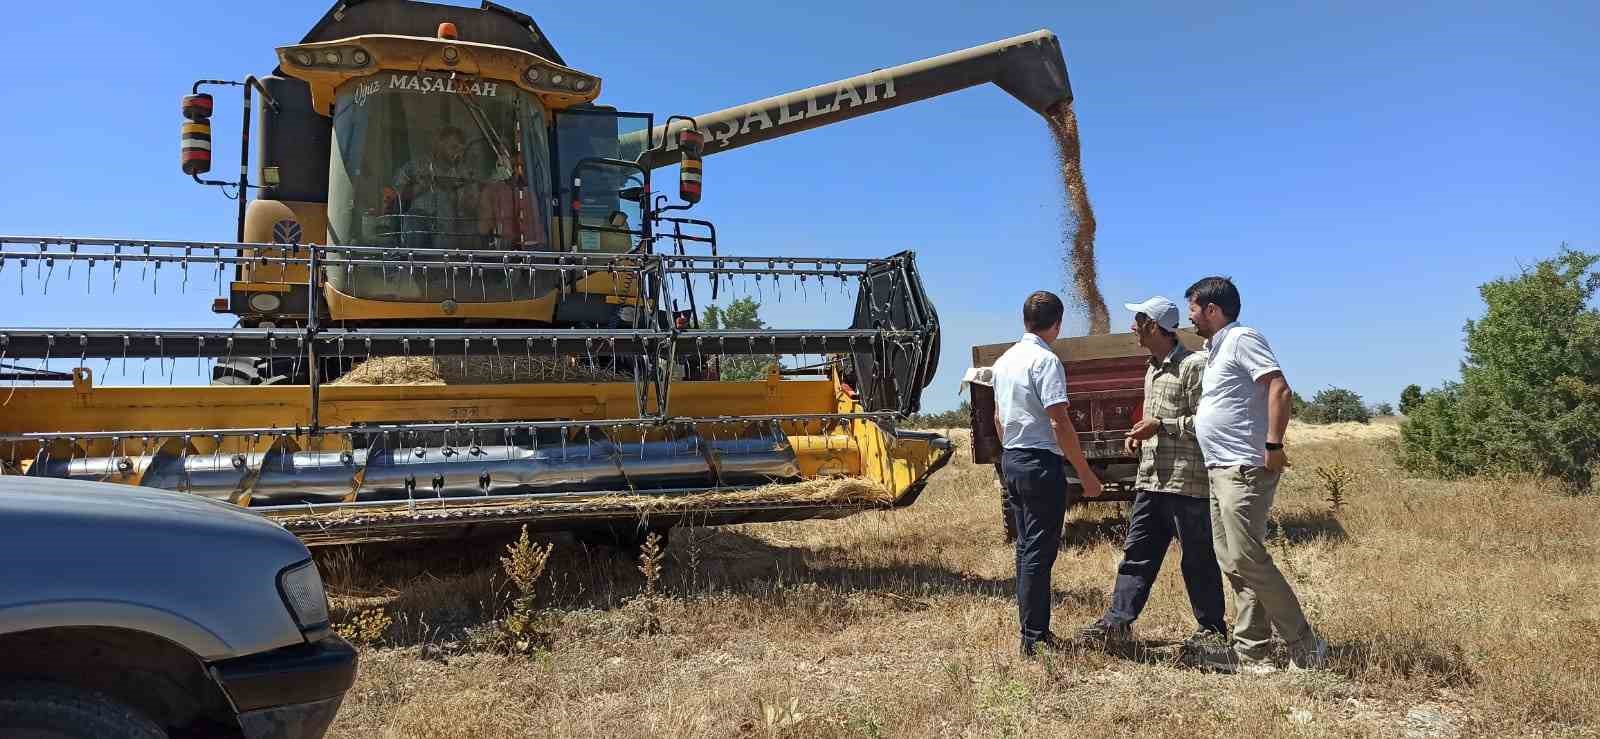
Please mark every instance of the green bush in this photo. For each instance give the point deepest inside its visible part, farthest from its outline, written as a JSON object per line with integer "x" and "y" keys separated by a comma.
{"x": 961, "y": 417}
{"x": 1410, "y": 398}
{"x": 1382, "y": 409}
{"x": 1529, "y": 396}
{"x": 1334, "y": 405}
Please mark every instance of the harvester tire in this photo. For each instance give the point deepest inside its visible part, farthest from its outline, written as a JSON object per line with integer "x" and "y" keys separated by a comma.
{"x": 244, "y": 371}
{"x": 34, "y": 708}
{"x": 278, "y": 371}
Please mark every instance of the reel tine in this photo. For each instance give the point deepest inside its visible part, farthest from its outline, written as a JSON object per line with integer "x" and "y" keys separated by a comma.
{"x": 527, "y": 346}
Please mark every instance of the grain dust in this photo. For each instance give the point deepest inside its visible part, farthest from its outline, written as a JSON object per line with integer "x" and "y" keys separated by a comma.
{"x": 1078, "y": 227}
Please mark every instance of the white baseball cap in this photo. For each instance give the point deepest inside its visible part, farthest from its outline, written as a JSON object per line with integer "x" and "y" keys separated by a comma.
{"x": 1164, "y": 312}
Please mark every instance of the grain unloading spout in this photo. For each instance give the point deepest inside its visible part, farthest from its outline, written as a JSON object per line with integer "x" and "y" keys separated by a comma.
{"x": 1030, "y": 67}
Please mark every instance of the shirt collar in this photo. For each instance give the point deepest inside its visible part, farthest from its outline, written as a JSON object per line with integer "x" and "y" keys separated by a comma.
{"x": 1216, "y": 338}
{"x": 1177, "y": 354}
{"x": 1036, "y": 340}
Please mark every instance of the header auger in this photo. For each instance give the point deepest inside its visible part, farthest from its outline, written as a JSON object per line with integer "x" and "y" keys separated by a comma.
{"x": 437, "y": 185}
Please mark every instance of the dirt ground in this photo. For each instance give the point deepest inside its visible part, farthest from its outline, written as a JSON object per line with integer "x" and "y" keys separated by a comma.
{"x": 1462, "y": 608}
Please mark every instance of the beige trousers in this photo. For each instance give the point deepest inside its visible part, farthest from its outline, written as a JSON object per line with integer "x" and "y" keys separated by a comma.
{"x": 1240, "y": 500}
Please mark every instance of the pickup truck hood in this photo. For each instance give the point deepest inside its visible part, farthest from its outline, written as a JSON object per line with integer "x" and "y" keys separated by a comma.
{"x": 123, "y": 505}
{"x": 197, "y": 572}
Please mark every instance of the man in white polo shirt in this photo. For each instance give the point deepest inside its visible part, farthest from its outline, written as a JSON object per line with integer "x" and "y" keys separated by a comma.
{"x": 1240, "y": 422}
{"x": 1030, "y": 395}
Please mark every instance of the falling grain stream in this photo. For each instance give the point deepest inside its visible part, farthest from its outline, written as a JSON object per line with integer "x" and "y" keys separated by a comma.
{"x": 1077, "y": 236}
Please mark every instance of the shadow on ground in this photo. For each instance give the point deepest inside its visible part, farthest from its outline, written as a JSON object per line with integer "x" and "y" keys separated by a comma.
{"x": 1299, "y": 526}
{"x": 457, "y": 585}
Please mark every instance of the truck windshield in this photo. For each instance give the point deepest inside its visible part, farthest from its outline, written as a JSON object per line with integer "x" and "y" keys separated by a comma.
{"x": 427, "y": 161}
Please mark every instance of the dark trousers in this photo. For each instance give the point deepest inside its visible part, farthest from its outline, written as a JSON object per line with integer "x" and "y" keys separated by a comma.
{"x": 1036, "y": 485}
{"x": 1156, "y": 518}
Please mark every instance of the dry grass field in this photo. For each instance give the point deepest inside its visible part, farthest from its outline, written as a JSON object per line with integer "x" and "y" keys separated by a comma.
{"x": 1453, "y": 609}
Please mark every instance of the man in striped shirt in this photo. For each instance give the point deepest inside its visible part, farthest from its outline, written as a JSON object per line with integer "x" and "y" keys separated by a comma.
{"x": 1173, "y": 498}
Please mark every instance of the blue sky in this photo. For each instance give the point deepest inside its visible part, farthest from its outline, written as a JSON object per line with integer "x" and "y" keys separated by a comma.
{"x": 1359, "y": 168}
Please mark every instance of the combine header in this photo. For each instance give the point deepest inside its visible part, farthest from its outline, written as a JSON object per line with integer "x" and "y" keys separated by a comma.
{"x": 437, "y": 186}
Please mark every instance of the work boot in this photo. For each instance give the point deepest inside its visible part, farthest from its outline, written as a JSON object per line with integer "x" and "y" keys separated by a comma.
{"x": 1206, "y": 639}
{"x": 1228, "y": 660}
{"x": 1049, "y": 644}
{"x": 1103, "y": 635}
{"x": 1313, "y": 657}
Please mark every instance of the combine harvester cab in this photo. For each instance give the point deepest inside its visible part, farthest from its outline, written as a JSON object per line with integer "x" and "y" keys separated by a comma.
{"x": 437, "y": 184}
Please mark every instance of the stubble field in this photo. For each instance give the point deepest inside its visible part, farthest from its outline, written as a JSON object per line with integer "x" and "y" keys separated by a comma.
{"x": 1452, "y": 609}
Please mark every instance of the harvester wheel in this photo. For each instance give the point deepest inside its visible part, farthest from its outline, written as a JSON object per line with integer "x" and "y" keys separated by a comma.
{"x": 244, "y": 371}
{"x": 275, "y": 371}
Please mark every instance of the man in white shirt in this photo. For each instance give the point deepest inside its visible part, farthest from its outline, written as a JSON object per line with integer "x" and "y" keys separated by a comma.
{"x": 1030, "y": 394}
{"x": 1240, "y": 422}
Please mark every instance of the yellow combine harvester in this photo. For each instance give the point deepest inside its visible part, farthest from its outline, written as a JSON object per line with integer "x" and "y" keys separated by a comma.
{"x": 437, "y": 183}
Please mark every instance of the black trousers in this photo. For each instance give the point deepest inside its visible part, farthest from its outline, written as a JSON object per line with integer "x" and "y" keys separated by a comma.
{"x": 1156, "y": 518}
{"x": 1037, "y": 487}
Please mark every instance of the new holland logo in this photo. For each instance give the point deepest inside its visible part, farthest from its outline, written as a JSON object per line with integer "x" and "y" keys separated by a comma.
{"x": 286, "y": 231}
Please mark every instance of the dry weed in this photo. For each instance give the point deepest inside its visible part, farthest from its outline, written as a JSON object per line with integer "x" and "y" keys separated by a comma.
{"x": 1335, "y": 478}
{"x": 648, "y": 604}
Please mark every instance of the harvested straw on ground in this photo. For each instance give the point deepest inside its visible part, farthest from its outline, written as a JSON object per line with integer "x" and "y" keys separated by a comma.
{"x": 819, "y": 491}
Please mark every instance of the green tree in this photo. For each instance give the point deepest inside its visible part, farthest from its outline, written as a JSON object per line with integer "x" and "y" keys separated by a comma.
{"x": 1297, "y": 405}
{"x": 740, "y": 315}
{"x": 1336, "y": 404}
{"x": 961, "y": 417}
{"x": 1529, "y": 395}
{"x": 1382, "y": 409}
{"x": 1410, "y": 398}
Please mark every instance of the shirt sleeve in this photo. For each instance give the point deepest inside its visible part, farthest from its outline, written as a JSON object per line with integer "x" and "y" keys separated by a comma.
{"x": 1050, "y": 379}
{"x": 1251, "y": 349}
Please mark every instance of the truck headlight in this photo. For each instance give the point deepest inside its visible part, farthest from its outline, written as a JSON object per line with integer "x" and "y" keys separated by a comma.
{"x": 301, "y": 586}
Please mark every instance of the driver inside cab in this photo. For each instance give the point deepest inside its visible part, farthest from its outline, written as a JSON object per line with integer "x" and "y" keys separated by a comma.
{"x": 437, "y": 188}
{"x": 459, "y": 204}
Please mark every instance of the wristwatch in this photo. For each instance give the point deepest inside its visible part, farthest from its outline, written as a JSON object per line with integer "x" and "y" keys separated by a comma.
{"x": 1273, "y": 446}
